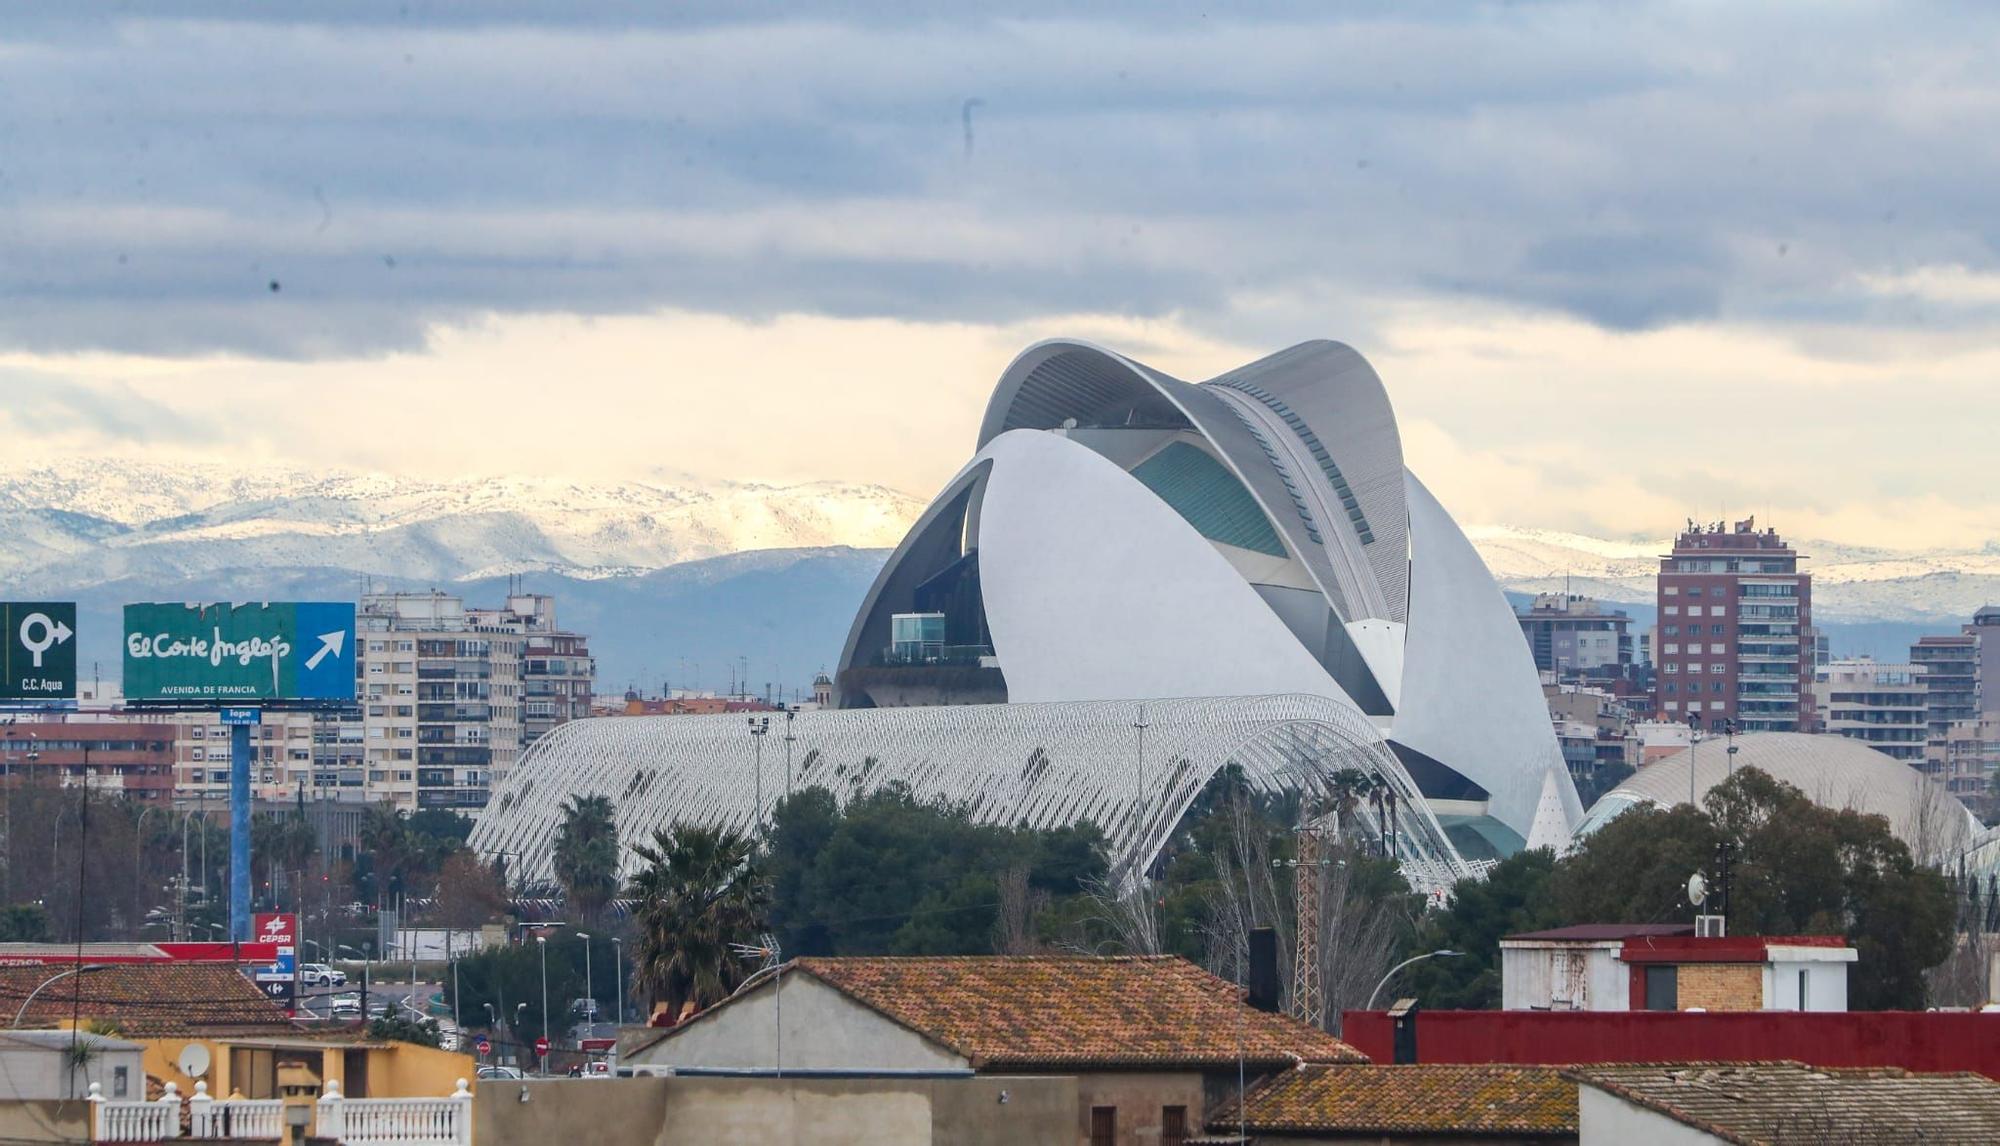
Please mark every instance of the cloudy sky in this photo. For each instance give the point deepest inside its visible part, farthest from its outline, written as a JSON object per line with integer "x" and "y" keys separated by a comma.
{"x": 1619, "y": 264}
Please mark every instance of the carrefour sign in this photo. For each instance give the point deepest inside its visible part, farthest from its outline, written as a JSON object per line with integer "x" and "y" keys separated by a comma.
{"x": 282, "y": 650}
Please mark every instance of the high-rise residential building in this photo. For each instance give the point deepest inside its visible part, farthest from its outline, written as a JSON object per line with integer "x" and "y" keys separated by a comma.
{"x": 557, "y": 670}
{"x": 1735, "y": 631}
{"x": 1571, "y": 635}
{"x": 1971, "y": 760}
{"x": 1951, "y": 685}
{"x": 133, "y": 758}
{"x": 1881, "y": 705}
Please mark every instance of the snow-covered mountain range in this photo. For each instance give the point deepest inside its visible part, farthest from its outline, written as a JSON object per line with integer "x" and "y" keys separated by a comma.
{"x": 86, "y": 522}
{"x": 664, "y": 570}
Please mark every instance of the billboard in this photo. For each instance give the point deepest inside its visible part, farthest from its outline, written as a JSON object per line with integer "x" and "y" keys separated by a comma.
{"x": 38, "y": 651}
{"x": 279, "y": 650}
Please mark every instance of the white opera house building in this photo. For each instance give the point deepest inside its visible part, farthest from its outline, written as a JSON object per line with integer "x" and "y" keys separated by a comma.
{"x": 1135, "y": 582}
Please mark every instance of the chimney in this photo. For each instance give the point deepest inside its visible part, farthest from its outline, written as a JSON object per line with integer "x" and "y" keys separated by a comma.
{"x": 1264, "y": 968}
{"x": 1403, "y": 1024}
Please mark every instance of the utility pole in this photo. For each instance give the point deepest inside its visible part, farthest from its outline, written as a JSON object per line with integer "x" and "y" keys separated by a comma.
{"x": 1308, "y": 994}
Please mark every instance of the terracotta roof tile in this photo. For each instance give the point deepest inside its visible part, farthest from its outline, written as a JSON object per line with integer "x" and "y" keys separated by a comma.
{"x": 1421, "y": 1099}
{"x": 1038, "y": 1011}
{"x": 147, "y": 1000}
{"x": 1761, "y": 1103}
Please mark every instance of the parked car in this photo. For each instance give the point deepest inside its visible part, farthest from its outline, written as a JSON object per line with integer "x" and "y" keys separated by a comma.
{"x": 345, "y": 1006}
{"x": 499, "y": 1072}
{"x": 321, "y": 975}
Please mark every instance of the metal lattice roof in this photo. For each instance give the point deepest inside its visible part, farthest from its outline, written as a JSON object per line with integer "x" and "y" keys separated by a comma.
{"x": 1042, "y": 765}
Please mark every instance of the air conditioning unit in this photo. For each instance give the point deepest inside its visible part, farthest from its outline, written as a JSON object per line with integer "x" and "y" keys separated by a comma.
{"x": 1710, "y": 926}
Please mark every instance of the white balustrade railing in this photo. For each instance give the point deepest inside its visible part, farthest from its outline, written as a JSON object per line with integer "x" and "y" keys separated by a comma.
{"x": 234, "y": 1117}
{"x": 134, "y": 1120}
{"x": 396, "y": 1121}
{"x": 353, "y": 1121}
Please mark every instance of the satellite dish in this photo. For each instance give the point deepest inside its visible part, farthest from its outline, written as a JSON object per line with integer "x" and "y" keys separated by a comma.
{"x": 1697, "y": 889}
{"x": 194, "y": 1060}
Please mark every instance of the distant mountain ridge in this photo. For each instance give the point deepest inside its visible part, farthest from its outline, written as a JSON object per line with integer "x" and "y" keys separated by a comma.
{"x": 667, "y": 573}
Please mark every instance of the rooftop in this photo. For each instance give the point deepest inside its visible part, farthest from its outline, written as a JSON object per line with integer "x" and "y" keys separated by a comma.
{"x": 1606, "y": 932}
{"x": 1056, "y": 1010}
{"x": 1754, "y": 1104}
{"x": 1526, "y": 1101}
{"x": 147, "y": 1000}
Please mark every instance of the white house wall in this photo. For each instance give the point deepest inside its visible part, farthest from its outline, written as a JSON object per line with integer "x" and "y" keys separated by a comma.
{"x": 823, "y": 1030}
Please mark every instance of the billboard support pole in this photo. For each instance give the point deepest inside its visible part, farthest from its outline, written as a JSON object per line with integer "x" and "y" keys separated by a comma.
{"x": 239, "y": 832}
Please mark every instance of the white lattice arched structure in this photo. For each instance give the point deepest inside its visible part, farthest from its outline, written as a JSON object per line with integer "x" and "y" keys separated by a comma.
{"x": 1043, "y": 765}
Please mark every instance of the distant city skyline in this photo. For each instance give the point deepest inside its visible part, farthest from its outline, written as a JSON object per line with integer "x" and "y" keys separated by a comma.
{"x": 1615, "y": 274}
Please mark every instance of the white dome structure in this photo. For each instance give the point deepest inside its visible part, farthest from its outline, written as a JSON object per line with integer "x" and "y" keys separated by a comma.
{"x": 1832, "y": 771}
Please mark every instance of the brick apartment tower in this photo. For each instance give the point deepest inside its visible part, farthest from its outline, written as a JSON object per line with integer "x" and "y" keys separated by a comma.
{"x": 1735, "y": 631}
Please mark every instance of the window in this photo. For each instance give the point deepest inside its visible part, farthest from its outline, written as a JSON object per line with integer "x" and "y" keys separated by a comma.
{"x": 1694, "y": 590}
{"x": 1672, "y": 688}
{"x": 121, "y": 1082}
{"x": 1715, "y": 687}
{"x": 1662, "y": 989}
{"x": 1673, "y": 610}
{"x": 1673, "y": 705}
{"x": 1718, "y": 650}
{"x": 1715, "y": 629}
{"x": 1173, "y": 1119}
{"x": 1672, "y": 591}
{"x": 1695, "y": 667}
{"x": 1672, "y": 669}
{"x": 196, "y": 754}
{"x": 1716, "y": 668}
{"x": 1694, "y": 610}
{"x": 1103, "y": 1126}
{"x": 1673, "y": 630}
{"x": 1672, "y": 648}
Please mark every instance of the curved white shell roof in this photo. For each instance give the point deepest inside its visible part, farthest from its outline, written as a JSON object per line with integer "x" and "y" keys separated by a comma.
{"x": 1833, "y": 771}
{"x": 1073, "y": 548}
{"x": 1045, "y": 765}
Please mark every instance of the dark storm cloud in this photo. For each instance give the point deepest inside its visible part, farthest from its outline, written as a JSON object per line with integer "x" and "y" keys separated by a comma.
{"x": 312, "y": 180}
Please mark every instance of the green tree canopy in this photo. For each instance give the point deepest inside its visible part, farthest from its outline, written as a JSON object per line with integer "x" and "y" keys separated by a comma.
{"x": 698, "y": 892}
{"x": 890, "y": 874}
{"x": 586, "y": 855}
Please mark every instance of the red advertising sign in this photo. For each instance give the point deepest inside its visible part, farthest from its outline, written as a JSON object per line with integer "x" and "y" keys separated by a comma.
{"x": 276, "y": 929}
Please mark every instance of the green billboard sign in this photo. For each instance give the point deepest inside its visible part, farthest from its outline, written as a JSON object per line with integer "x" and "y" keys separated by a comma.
{"x": 38, "y": 652}
{"x": 279, "y": 650}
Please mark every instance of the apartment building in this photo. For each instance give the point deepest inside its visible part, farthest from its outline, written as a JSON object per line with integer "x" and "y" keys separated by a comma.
{"x": 1735, "y": 625}
{"x": 1572, "y": 635}
{"x": 1881, "y": 705}
{"x": 557, "y": 670}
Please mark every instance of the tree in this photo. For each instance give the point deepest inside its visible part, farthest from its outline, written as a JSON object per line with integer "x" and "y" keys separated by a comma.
{"x": 586, "y": 854}
{"x": 698, "y": 892}
{"x": 469, "y": 893}
{"x": 402, "y": 1028}
{"x": 1514, "y": 897}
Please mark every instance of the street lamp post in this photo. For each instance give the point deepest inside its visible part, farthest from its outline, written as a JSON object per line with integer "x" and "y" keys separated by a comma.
{"x": 542, "y": 941}
{"x": 1694, "y": 737}
{"x": 589, "y": 984}
{"x": 1439, "y": 954}
{"x": 618, "y": 963}
{"x": 789, "y": 738}
{"x": 758, "y": 729}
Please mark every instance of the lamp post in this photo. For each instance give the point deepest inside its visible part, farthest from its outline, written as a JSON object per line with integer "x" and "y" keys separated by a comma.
{"x": 542, "y": 942}
{"x": 1445, "y": 953}
{"x": 589, "y": 984}
{"x": 1729, "y": 736}
{"x": 789, "y": 738}
{"x": 758, "y": 729}
{"x": 1694, "y": 738}
{"x": 618, "y": 963}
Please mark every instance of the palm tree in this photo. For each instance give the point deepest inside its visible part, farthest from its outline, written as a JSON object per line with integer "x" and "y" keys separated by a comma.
{"x": 698, "y": 892}
{"x": 586, "y": 854}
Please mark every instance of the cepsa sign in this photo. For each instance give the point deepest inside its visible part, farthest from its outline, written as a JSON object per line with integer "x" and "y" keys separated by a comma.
{"x": 200, "y": 654}
{"x": 272, "y": 927}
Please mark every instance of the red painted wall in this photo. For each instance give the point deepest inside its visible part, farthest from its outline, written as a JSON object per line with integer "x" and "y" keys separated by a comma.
{"x": 1914, "y": 1040}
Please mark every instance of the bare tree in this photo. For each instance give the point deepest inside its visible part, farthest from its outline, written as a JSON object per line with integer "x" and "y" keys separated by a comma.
{"x": 1014, "y": 929}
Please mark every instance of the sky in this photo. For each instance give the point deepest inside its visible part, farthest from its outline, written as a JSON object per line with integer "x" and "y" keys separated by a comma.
{"x": 1618, "y": 265}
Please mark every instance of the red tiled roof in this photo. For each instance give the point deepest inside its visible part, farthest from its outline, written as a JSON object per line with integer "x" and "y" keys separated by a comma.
{"x": 146, "y": 1000}
{"x": 1760, "y": 1103}
{"x": 1076, "y": 1011}
{"x": 1520, "y": 1101}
